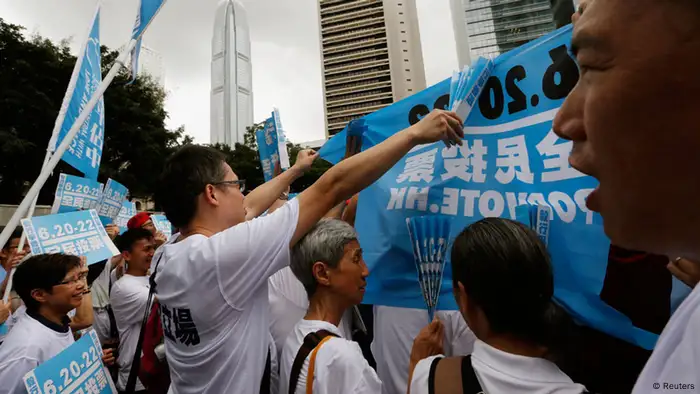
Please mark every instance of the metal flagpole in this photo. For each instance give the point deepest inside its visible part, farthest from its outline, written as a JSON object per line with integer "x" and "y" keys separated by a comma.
{"x": 46, "y": 171}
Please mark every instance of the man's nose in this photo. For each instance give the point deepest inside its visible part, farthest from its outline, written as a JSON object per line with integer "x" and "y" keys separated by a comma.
{"x": 568, "y": 123}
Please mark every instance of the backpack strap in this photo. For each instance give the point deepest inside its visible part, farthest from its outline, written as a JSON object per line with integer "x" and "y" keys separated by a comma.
{"x": 136, "y": 361}
{"x": 470, "y": 382}
{"x": 431, "y": 375}
{"x": 265, "y": 383}
{"x": 311, "y": 341}
{"x": 449, "y": 375}
{"x": 312, "y": 367}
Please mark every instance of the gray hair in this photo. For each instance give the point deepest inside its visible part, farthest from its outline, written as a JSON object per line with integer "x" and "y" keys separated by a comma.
{"x": 325, "y": 242}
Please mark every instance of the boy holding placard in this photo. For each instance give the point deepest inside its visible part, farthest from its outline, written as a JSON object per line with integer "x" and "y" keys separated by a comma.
{"x": 50, "y": 285}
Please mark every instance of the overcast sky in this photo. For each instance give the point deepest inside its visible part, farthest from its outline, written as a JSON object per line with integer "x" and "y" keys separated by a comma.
{"x": 285, "y": 51}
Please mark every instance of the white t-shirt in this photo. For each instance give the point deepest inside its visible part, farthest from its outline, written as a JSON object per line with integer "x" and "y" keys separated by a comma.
{"x": 501, "y": 372}
{"x": 340, "y": 366}
{"x": 129, "y": 297}
{"x": 29, "y": 343}
{"x": 214, "y": 303}
{"x": 288, "y": 305}
{"x": 674, "y": 364}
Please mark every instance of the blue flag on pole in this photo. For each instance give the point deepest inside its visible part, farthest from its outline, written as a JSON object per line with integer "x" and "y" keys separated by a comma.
{"x": 145, "y": 14}
{"x": 510, "y": 157}
{"x": 85, "y": 151}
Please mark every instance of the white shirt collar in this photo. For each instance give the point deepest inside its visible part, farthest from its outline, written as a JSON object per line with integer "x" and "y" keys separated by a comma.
{"x": 533, "y": 369}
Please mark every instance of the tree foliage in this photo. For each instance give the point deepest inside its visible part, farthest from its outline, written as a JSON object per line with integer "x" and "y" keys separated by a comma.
{"x": 34, "y": 75}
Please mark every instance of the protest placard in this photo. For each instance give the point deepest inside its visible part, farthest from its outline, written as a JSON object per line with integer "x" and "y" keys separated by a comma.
{"x": 127, "y": 211}
{"x": 74, "y": 193}
{"x": 111, "y": 202}
{"x": 272, "y": 146}
{"x": 77, "y": 369}
{"x": 77, "y": 233}
{"x": 162, "y": 224}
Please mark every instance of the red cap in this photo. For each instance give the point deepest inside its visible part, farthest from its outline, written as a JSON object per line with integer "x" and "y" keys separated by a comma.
{"x": 138, "y": 220}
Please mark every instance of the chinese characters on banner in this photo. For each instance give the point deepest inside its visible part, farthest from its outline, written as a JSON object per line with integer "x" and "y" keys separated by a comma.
{"x": 77, "y": 233}
{"x": 75, "y": 193}
{"x": 78, "y": 369}
{"x": 85, "y": 151}
{"x": 162, "y": 224}
{"x": 113, "y": 197}
{"x": 127, "y": 211}
{"x": 272, "y": 146}
{"x": 510, "y": 157}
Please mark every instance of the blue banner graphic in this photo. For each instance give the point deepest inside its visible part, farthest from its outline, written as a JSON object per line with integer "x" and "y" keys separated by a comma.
{"x": 272, "y": 146}
{"x": 77, "y": 233}
{"x": 145, "y": 14}
{"x": 113, "y": 197}
{"x": 77, "y": 369}
{"x": 510, "y": 157}
{"x": 85, "y": 151}
{"x": 75, "y": 193}
{"x": 162, "y": 224}
{"x": 127, "y": 211}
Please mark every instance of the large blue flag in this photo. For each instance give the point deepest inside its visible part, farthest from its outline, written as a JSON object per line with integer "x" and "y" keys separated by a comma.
{"x": 146, "y": 12}
{"x": 510, "y": 157}
{"x": 85, "y": 151}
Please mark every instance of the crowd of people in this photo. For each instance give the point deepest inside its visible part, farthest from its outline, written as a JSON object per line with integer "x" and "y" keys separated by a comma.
{"x": 256, "y": 293}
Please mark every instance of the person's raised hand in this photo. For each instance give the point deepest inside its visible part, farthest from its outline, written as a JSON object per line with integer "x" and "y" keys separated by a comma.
{"x": 685, "y": 270}
{"x": 14, "y": 259}
{"x": 429, "y": 341}
{"x": 112, "y": 231}
{"x": 439, "y": 125}
{"x": 5, "y": 311}
{"x": 305, "y": 158}
{"x": 159, "y": 238}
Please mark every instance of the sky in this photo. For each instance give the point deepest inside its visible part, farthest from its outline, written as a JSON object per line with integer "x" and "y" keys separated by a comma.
{"x": 285, "y": 52}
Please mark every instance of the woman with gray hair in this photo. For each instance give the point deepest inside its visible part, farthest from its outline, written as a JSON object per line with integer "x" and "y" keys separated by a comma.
{"x": 316, "y": 359}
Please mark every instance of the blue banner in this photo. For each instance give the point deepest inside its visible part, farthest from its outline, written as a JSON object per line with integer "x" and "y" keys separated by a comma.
{"x": 77, "y": 369}
{"x": 162, "y": 224}
{"x": 77, "y": 233}
{"x": 74, "y": 193}
{"x": 113, "y": 197}
{"x": 268, "y": 148}
{"x": 127, "y": 211}
{"x": 510, "y": 157}
{"x": 85, "y": 151}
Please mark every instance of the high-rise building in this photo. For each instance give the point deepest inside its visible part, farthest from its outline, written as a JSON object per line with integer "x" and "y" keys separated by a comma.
{"x": 231, "y": 103}
{"x": 371, "y": 55}
{"x": 492, "y": 27}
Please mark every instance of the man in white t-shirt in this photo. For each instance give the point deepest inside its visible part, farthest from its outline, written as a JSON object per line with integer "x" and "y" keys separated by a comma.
{"x": 633, "y": 122}
{"x": 212, "y": 282}
{"x": 50, "y": 285}
{"x": 129, "y": 297}
{"x": 328, "y": 262}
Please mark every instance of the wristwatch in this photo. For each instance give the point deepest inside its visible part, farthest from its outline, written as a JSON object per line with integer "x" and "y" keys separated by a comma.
{"x": 284, "y": 196}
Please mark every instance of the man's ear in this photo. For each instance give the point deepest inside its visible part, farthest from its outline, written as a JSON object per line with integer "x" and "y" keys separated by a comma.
{"x": 210, "y": 195}
{"x": 39, "y": 295}
{"x": 320, "y": 273}
{"x": 126, "y": 255}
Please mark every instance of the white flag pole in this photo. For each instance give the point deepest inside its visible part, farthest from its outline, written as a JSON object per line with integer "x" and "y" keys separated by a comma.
{"x": 56, "y": 157}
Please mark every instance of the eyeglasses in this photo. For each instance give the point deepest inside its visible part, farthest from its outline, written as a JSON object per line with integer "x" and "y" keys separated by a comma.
{"x": 240, "y": 183}
{"x": 74, "y": 281}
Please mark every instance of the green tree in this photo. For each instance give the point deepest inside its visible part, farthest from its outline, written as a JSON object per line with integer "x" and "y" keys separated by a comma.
{"x": 34, "y": 75}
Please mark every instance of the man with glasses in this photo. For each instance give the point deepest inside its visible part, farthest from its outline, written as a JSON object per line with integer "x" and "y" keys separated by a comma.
{"x": 212, "y": 281}
{"x": 50, "y": 285}
{"x": 129, "y": 297}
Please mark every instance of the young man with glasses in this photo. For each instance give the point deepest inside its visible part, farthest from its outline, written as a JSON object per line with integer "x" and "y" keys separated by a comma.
{"x": 212, "y": 283}
{"x": 50, "y": 285}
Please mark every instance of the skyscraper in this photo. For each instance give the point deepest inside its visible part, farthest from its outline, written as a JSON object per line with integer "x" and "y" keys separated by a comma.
{"x": 231, "y": 75}
{"x": 492, "y": 27}
{"x": 371, "y": 55}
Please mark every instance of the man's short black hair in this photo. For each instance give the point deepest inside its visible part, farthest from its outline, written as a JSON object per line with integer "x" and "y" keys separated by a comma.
{"x": 184, "y": 177}
{"x": 43, "y": 271}
{"x": 16, "y": 234}
{"x": 131, "y": 236}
